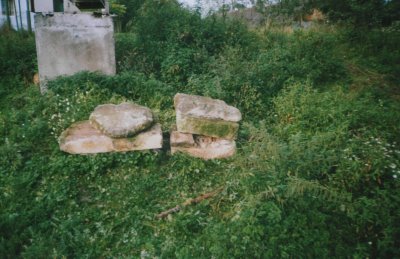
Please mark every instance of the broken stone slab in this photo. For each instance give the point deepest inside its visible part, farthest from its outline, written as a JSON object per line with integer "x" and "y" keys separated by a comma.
{"x": 206, "y": 116}
{"x": 122, "y": 120}
{"x": 201, "y": 146}
{"x": 83, "y": 138}
{"x": 179, "y": 139}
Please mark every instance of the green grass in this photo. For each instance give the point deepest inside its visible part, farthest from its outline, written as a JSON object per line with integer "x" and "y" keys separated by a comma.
{"x": 316, "y": 173}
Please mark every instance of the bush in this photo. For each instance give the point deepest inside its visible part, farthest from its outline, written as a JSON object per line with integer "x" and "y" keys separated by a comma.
{"x": 250, "y": 81}
{"x": 173, "y": 43}
{"x": 17, "y": 54}
{"x": 306, "y": 179}
{"x": 315, "y": 175}
{"x": 376, "y": 49}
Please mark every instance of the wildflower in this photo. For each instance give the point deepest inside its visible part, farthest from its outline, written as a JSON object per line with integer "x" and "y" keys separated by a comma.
{"x": 393, "y": 166}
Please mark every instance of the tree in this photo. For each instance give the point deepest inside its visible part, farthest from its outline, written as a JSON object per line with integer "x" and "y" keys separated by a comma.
{"x": 358, "y": 12}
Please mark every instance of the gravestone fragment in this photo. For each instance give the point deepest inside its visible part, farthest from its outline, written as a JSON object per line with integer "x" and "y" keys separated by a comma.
{"x": 202, "y": 146}
{"x": 83, "y": 138}
{"x": 206, "y": 116}
{"x": 122, "y": 120}
{"x": 179, "y": 139}
{"x": 205, "y": 128}
{"x": 113, "y": 128}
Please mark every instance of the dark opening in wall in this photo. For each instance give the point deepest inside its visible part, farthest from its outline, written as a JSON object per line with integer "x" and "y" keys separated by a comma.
{"x": 7, "y": 7}
{"x": 32, "y": 4}
{"x": 58, "y": 5}
{"x": 89, "y": 4}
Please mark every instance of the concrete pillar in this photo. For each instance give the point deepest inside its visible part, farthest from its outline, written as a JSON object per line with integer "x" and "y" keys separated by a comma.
{"x": 71, "y": 43}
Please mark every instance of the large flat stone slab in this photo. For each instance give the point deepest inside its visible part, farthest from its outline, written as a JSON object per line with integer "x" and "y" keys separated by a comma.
{"x": 122, "y": 120}
{"x": 83, "y": 138}
{"x": 206, "y": 116}
{"x": 201, "y": 146}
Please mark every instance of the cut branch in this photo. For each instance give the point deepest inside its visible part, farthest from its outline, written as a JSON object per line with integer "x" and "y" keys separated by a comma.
{"x": 188, "y": 202}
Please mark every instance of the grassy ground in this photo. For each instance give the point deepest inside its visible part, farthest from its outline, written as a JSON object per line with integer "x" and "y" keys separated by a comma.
{"x": 316, "y": 173}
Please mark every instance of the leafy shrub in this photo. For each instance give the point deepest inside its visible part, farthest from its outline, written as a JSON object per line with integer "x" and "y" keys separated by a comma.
{"x": 377, "y": 49}
{"x": 17, "y": 54}
{"x": 317, "y": 169}
{"x": 303, "y": 181}
{"x": 251, "y": 81}
{"x": 174, "y": 43}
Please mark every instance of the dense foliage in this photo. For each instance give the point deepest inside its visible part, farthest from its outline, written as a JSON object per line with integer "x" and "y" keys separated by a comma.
{"x": 316, "y": 173}
{"x": 362, "y": 13}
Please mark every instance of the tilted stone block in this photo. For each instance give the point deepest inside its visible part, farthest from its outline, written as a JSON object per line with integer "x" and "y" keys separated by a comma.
{"x": 206, "y": 116}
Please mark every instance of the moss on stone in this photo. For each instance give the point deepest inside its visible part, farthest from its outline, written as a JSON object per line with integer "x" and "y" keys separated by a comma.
{"x": 212, "y": 128}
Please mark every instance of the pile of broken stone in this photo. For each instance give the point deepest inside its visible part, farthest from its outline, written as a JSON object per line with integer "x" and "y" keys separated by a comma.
{"x": 113, "y": 128}
{"x": 205, "y": 128}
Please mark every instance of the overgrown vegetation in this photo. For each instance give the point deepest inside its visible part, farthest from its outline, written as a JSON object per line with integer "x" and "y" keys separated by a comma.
{"x": 316, "y": 173}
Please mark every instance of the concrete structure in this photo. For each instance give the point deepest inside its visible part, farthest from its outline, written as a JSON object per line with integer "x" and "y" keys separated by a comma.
{"x": 19, "y": 14}
{"x": 43, "y": 6}
{"x": 70, "y": 43}
{"x": 71, "y": 35}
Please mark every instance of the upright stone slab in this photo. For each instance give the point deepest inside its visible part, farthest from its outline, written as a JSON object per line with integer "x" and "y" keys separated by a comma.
{"x": 122, "y": 120}
{"x": 206, "y": 116}
{"x": 201, "y": 146}
{"x": 83, "y": 138}
{"x": 71, "y": 43}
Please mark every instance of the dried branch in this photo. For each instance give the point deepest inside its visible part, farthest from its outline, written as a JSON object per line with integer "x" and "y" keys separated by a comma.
{"x": 188, "y": 202}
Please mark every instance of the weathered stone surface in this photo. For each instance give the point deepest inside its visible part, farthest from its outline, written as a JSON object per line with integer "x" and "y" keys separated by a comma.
{"x": 83, "y": 138}
{"x": 206, "y": 116}
{"x": 218, "y": 129}
{"x": 122, "y": 120}
{"x": 182, "y": 139}
{"x": 202, "y": 147}
{"x": 149, "y": 139}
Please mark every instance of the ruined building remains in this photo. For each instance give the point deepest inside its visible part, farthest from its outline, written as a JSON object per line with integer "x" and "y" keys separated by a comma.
{"x": 74, "y": 40}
